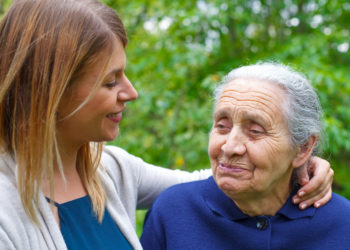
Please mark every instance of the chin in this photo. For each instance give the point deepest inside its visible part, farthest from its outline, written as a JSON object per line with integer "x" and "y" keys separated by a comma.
{"x": 112, "y": 136}
{"x": 229, "y": 183}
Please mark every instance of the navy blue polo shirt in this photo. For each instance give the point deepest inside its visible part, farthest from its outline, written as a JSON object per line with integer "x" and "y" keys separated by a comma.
{"x": 199, "y": 215}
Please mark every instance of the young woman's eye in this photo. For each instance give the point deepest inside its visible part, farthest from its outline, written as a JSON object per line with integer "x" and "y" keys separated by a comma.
{"x": 111, "y": 84}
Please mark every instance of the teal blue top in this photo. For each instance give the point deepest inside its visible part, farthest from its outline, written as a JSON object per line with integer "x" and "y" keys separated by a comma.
{"x": 81, "y": 230}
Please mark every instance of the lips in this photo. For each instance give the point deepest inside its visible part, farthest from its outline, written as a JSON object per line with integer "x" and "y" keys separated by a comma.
{"x": 115, "y": 117}
{"x": 231, "y": 168}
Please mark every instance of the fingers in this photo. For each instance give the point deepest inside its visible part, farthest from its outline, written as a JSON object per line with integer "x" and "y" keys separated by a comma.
{"x": 302, "y": 175}
{"x": 319, "y": 189}
{"x": 323, "y": 200}
{"x": 318, "y": 200}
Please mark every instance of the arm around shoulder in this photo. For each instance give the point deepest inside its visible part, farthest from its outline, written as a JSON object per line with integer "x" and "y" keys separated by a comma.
{"x": 149, "y": 180}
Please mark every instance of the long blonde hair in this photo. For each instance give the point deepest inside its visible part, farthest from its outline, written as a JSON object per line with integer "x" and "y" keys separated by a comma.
{"x": 44, "y": 46}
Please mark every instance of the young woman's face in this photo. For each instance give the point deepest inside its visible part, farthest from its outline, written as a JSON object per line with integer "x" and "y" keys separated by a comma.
{"x": 99, "y": 118}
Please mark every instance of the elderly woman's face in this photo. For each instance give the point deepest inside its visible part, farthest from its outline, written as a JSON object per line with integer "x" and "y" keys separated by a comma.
{"x": 249, "y": 146}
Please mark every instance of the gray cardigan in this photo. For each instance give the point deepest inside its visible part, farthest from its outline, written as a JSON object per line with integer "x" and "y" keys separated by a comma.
{"x": 129, "y": 182}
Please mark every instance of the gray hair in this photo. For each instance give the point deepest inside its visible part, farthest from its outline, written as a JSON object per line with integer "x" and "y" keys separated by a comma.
{"x": 302, "y": 109}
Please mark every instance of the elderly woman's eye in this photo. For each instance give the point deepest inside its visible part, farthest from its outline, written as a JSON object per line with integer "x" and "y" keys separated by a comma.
{"x": 222, "y": 127}
{"x": 256, "y": 129}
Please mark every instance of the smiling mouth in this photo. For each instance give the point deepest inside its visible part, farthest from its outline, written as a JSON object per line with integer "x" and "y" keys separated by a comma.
{"x": 115, "y": 117}
{"x": 231, "y": 168}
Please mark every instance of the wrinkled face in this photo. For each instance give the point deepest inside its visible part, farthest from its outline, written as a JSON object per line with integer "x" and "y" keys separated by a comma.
{"x": 99, "y": 118}
{"x": 249, "y": 146}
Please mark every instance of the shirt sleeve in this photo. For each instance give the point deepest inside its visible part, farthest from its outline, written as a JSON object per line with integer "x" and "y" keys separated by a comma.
{"x": 153, "y": 180}
{"x": 149, "y": 180}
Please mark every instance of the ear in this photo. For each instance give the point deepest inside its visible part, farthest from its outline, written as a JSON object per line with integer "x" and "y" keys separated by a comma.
{"x": 304, "y": 152}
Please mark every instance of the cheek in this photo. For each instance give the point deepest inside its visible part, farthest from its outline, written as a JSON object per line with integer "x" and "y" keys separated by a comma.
{"x": 260, "y": 153}
{"x": 214, "y": 147}
{"x": 270, "y": 147}
{"x": 277, "y": 150}
{"x": 268, "y": 155}
{"x": 98, "y": 103}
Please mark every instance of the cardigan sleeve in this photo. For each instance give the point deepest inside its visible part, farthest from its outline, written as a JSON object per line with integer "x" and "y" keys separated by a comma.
{"x": 5, "y": 241}
{"x": 146, "y": 179}
{"x": 153, "y": 180}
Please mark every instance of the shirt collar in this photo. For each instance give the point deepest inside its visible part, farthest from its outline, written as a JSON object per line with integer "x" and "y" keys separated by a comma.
{"x": 292, "y": 211}
{"x": 219, "y": 203}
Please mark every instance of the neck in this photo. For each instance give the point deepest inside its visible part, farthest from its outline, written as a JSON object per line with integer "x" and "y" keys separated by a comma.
{"x": 69, "y": 158}
{"x": 71, "y": 187}
{"x": 268, "y": 203}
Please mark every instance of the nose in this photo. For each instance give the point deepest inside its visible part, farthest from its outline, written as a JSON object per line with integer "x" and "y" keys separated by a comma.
{"x": 128, "y": 92}
{"x": 235, "y": 143}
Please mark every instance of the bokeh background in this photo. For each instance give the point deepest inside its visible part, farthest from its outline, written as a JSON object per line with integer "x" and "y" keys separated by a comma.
{"x": 180, "y": 50}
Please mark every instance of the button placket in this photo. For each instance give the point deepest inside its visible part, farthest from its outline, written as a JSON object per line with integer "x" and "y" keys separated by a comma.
{"x": 262, "y": 223}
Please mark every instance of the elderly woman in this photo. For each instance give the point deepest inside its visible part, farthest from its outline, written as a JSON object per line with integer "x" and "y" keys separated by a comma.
{"x": 266, "y": 126}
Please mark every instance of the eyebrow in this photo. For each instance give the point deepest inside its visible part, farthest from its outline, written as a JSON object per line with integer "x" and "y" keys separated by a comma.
{"x": 114, "y": 71}
{"x": 254, "y": 117}
{"x": 220, "y": 113}
{"x": 245, "y": 115}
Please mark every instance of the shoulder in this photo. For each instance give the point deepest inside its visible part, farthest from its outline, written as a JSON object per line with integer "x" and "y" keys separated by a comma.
{"x": 338, "y": 203}
{"x": 8, "y": 185}
{"x": 13, "y": 219}
{"x": 117, "y": 154}
{"x": 335, "y": 213}
{"x": 184, "y": 193}
{"x": 338, "y": 199}
{"x": 177, "y": 203}
{"x": 117, "y": 161}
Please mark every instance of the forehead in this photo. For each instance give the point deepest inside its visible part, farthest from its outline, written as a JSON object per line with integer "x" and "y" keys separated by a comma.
{"x": 109, "y": 60}
{"x": 113, "y": 57}
{"x": 251, "y": 97}
{"x": 104, "y": 66}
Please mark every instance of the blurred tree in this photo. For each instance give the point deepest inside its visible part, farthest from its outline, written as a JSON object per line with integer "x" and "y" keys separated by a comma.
{"x": 179, "y": 50}
{"x": 4, "y": 5}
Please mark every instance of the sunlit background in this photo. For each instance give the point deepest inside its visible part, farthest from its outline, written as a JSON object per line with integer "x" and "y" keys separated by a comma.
{"x": 179, "y": 50}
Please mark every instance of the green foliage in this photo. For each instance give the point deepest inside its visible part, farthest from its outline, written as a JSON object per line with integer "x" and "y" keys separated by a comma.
{"x": 179, "y": 51}
{"x": 4, "y": 4}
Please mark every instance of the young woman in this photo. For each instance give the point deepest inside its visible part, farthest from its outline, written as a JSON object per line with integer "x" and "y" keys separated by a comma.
{"x": 62, "y": 94}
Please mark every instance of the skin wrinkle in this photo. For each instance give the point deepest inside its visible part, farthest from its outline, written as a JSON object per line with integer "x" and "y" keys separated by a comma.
{"x": 253, "y": 107}
{"x": 284, "y": 101}
{"x": 265, "y": 98}
{"x": 265, "y": 159}
{"x": 260, "y": 94}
